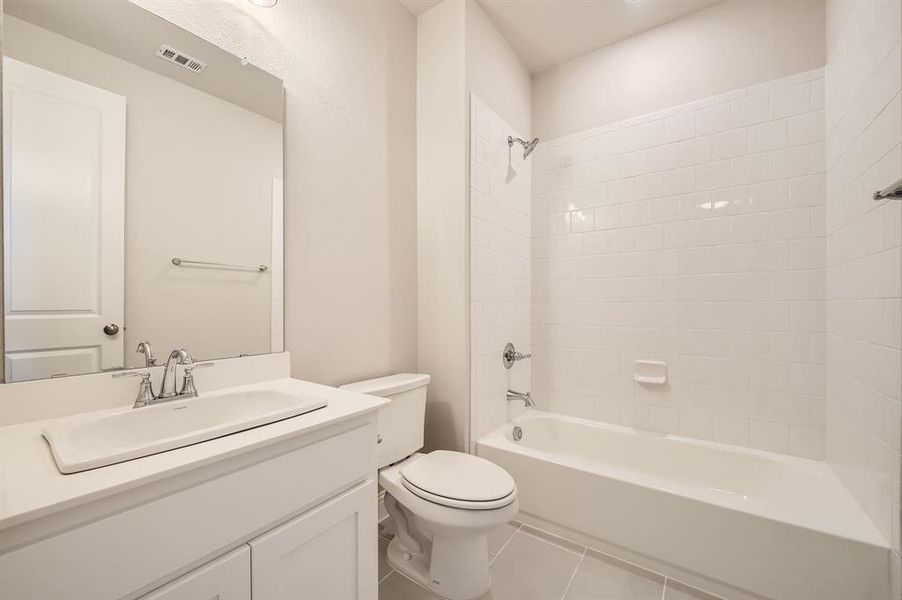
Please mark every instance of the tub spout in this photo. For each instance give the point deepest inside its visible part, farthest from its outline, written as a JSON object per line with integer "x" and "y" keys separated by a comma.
{"x": 526, "y": 397}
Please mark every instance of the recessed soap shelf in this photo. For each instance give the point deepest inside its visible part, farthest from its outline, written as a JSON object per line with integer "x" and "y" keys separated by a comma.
{"x": 650, "y": 372}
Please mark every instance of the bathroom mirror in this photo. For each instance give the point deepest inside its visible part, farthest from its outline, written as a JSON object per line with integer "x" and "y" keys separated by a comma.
{"x": 142, "y": 192}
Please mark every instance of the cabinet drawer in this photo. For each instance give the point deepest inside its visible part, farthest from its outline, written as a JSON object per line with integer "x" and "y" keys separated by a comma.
{"x": 133, "y": 551}
{"x": 226, "y": 578}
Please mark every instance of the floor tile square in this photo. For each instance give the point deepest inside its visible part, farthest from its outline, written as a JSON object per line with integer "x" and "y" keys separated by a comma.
{"x": 530, "y": 564}
{"x": 531, "y": 569}
{"x": 398, "y": 587}
{"x": 601, "y": 577}
{"x": 499, "y": 537}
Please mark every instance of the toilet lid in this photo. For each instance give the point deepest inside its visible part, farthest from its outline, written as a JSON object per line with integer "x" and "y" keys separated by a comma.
{"x": 459, "y": 478}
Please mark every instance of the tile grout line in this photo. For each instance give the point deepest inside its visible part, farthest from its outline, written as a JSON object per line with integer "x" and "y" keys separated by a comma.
{"x": 504, "y": 545}
{"x": 575, "y": 571}
{"x": 555, "y": 544}
{"x": 664, "y": 589}
{"x": 411, "y": 580}
{"x": 387, "y": 575}
{"x": 390, "y": 568}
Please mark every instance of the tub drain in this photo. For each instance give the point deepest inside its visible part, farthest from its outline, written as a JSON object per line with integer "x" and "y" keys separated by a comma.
{"x": 518, "y": 433}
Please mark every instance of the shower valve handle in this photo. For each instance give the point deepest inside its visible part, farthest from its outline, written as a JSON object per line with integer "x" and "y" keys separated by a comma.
{"x": 511, "y": 355}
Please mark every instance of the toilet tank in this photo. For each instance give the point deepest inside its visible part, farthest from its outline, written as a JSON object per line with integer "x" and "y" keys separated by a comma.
{"x": 399, "y": 424}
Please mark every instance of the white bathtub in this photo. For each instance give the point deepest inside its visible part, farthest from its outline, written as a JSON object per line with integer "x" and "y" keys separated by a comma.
{"x": 746, "y": 521}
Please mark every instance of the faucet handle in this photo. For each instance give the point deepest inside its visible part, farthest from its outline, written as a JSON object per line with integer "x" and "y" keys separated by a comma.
{"x": 188, "y": 388}
{"x": 201, "y": 365}
{"x": 144, "y": 375}
{"x": 145, "y": 389}
{"x": 510, "y": 355}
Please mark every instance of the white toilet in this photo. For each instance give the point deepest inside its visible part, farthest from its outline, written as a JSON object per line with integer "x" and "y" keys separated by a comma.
{"x": 444, "y": 504}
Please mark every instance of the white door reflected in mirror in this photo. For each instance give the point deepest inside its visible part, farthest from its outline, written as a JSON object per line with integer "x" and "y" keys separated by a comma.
{"x": 64, "y": 243}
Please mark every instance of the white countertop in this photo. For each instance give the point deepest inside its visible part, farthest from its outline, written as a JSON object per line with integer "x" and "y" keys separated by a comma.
{"x": 31, "y": 486}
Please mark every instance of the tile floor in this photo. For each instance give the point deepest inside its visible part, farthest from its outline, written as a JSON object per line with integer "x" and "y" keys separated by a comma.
{"x": 529, "y": 564}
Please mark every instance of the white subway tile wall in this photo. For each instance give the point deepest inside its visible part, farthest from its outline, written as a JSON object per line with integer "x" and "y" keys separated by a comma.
{"x": 500, "y": 223}
{"x": 693, "y": 236}
{"x": 864, "y": 260}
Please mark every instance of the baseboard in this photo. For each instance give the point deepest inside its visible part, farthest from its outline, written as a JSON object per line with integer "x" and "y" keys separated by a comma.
{"x": 690, "y": 578}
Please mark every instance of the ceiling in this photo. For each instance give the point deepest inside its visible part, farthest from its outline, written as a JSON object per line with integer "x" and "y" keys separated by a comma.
{"x": 545, "y": 33}
{"x": 129, "y": 32}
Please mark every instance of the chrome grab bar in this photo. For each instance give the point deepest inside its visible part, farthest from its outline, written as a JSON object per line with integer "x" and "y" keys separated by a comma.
{"x": 892, "y": 191}
{"x": 177, "y": 261}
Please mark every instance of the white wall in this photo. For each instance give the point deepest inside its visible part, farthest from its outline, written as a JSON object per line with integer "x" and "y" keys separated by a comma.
{"x": 442, "y": 223}
{"x": 495, "y": 73}
{"x": 864, "y": 256}
{"x": 732, "y": 44}
{"x": 188, "y": 155}
{"x": 350, "y": 180}
{"x": 500, "y": 208}
{"x": 692, "y": 236}
{"x": 459, "y": 51}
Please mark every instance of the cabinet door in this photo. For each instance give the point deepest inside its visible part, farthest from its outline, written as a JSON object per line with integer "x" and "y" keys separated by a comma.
{"x": 328, "y": 553}
{"x": 226, "y": 578}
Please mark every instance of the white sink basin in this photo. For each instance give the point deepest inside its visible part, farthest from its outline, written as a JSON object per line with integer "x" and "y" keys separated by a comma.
{"x": 82, "y": 444}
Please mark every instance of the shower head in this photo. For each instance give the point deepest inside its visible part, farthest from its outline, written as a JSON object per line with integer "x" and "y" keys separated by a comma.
{"x": 528, "y": 147}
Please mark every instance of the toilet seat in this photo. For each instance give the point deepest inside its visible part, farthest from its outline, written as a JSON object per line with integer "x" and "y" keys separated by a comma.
{"x": 459, "y": 480}
{"x": 456, "y": 503}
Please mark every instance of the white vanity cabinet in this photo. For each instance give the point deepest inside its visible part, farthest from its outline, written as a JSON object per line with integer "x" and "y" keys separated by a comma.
{"x": 327, "y": 553}
{"x": 292, "y": 519}
{"x": 226, "y": 578}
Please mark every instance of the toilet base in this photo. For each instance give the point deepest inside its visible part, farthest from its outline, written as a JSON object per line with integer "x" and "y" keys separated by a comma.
{"x": 443, "y": 548}
{"x": 453, "y": 568}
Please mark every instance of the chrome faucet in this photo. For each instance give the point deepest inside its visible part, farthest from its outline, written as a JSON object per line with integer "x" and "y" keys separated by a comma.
{"x": 526, "y": 397}
{"x": 144, "y": 348}
{"x": 146, "y": 397}
{"x": 179, "y": 356}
